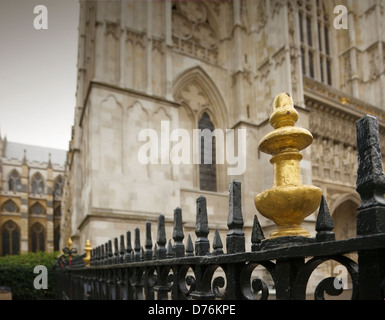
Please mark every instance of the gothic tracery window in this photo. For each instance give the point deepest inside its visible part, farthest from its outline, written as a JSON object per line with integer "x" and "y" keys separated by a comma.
{"x": 37, "y": 208}
{"x": 10, "y": 239}
{"x": 37, "y": 184}
{"x": 14, "y": 182}
{"x": 314, "y": 37}
{"x": 37, "y": 237}
{"x": 207, "y": 166}
{"x": 9, "y": 206}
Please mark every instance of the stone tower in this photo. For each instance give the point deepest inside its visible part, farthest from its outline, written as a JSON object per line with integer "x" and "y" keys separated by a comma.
{"x": 150, "y": 73}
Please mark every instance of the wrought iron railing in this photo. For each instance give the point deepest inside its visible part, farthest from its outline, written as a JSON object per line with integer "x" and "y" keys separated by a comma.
{"x": 186, "y": 271}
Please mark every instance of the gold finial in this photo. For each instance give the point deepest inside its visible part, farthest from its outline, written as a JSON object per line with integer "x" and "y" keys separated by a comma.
{"x": 344, "y": 100}
{"x": 69, "y": 243}
{"x": 288, "y": 202}
{"x": 87, "y": 249}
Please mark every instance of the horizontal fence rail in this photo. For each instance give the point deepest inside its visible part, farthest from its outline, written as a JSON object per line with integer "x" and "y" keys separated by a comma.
{"x": 181, "y": 269}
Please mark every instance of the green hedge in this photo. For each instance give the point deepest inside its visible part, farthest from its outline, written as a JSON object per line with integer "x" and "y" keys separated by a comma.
{"x": 17, "y": 273}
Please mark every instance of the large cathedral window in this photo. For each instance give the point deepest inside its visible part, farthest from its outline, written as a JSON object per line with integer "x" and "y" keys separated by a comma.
{"x": 37, "y": 184}
{"x": 10, "y": 239}
{"x": 37, "y": 233}
{"x": 14, "y": 182}
{"x": 314, "y": 37}
{"x": 207, "y": 166}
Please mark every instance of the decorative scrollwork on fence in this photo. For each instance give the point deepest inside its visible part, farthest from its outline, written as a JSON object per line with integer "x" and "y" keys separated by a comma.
{"x": 219, "y": 286}
{"x": 252, "y": 286}
{"x": 330, "y": 285}
{"x": 186, "y": 281}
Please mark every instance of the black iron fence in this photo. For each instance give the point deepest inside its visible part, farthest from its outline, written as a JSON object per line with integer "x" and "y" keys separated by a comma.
{"x": 182, "y": 270}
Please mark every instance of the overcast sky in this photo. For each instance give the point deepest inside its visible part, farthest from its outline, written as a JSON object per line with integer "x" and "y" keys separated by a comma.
{"x": 38, "y": 72}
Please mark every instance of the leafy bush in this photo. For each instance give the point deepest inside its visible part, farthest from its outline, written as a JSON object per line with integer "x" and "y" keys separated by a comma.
{"x": 17, "y": 273}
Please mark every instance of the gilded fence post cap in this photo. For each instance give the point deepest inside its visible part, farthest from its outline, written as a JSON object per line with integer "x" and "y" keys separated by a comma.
{"x": 284, "y": 113}
{"x": 288, "y": 202}
{"x": 69, "y": 243}
{"x": 87, "y": 249}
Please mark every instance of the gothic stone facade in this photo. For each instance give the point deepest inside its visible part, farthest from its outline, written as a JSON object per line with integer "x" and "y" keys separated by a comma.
{"x": 215, "y": 64}
{"x": 31, "y": 179}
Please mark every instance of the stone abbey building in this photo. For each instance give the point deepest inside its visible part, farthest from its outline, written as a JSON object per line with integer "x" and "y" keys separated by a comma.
{"x": 30, "y": 197}
{"x": 161, "y": 66}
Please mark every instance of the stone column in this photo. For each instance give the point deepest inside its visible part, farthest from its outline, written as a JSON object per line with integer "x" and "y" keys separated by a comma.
{"x": 99, "y": 41}
{"x": 353, "y": 52}
{"x": 122, "y": 43}
{"x": 169, "y": 45}
{"x": 149, "y": 48}
{"x": 237, "y": 62}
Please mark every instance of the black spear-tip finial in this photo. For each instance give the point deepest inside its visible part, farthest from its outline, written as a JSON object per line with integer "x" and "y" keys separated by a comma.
{"x": 128, "y": 255}
{"x": 109, "y": 252}
{"x": 256, "y": 235}
{"x": 116, "y": 250}
{"x": 202, "y": 244}
{"x": 235, "y": 240}
{"x": 148, "y": 244}
{"x": 217, "y": 243}
{"x": 324, "y": 225}
{"x": 122, "y": 250}
{"x": 189, "y": 247}
{"x": 137, "y": 246}
{"x": 177, "y": 235}
{"x": 161, "y": 238}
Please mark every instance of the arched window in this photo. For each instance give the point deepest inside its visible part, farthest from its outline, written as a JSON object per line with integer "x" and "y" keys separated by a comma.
{"x": 207, "y": 166}
{"x": 14, "y": 182}
{"x": 36, "y": 208}
{"x": 37, "y": 184}
{"x": 58, "y": 187}
{"x": 314, "y": 35}
{"x": 9, "y": 206}
{"x": 10, "y": 238}
{"x": 37, "y": 237}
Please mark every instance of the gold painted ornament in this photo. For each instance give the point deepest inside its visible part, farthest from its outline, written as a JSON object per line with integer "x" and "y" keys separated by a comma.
{"x": 288, "y": 202}
{"x": 87, "y": 249}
